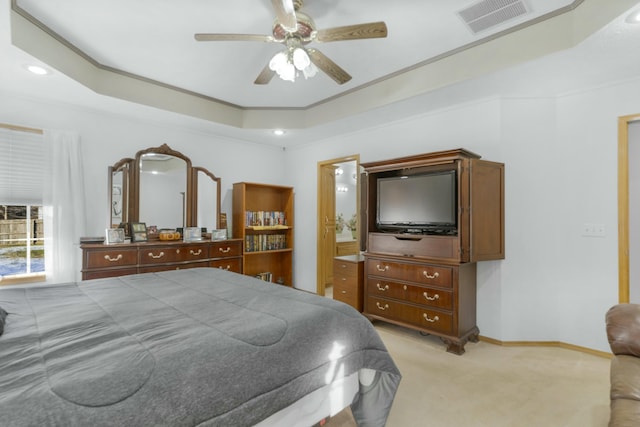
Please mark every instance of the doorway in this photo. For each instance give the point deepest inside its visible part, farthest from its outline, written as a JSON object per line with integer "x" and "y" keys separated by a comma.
{"x": 338, "y": 219}
{"x": 628, "y": 202}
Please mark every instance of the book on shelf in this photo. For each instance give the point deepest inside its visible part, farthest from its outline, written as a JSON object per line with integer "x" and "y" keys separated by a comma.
{"x": 266, "y": 276}
{"x": 265, "y": 219}
{"x": 264, "y": 242}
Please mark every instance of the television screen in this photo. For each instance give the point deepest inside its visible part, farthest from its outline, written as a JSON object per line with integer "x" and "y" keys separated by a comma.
{"x": 424, "y": 203}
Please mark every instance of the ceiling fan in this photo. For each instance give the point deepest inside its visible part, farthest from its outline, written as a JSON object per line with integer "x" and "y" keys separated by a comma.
{"x": 295, "y": 30}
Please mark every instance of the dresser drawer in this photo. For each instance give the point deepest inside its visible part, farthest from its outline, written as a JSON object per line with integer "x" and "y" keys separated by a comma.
{"x": 345, "y": 268}
{"x": 348, "y": 294}
{"x": 114, "y": 272}
{"x": 225, "y": 249}
{"x": 229, "y": 264}
{"x": 345, "y": 281}
{"x": 435, "y": 275}
{"x": 159, "y": 254}
{"x": 167, "y": 267}
{"x": 193, "y": 252}
{"x": 443, "y": 247}
{"x": 112, "y": 257}
{"x": 423, "y": 295}
{"x": 421, "y": 317}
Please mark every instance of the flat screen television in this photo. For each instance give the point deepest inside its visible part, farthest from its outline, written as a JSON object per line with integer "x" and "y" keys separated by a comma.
{"x": 422, "y": 203}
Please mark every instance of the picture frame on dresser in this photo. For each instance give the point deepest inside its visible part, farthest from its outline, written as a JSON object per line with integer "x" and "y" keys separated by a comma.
{"x": 114, "y": 235}
{"x": 139, "y": 232}
{"x": 192, "y": 234}
{"x": 219, "y": 234}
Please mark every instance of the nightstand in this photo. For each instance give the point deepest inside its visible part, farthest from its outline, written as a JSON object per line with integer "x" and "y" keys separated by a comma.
{"x": 348, "y": 279}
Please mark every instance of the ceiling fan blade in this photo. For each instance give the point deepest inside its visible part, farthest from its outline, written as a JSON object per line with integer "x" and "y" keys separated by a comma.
{"x": 212, "y": 37}
{"x": 332, "y": 69}
{"x": 286, "y": 14}
{"x": 370, "y": 30}
{"x": 265, "y": 76}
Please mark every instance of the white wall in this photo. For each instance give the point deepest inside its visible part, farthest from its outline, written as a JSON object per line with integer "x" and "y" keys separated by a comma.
{"x": 561, "y": 172}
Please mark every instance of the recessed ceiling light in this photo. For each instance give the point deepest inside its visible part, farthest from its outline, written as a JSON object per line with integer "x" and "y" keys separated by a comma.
{"x": 633, "y": 17}
{"x": 35, "y": 69}
{"x": 278, "y": 132}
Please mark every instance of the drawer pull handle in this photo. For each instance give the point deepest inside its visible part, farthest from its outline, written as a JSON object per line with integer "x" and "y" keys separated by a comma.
{"x": 433, "y": 298}
{"x": 412, "y": 239}
{"x": 426, "y": 317}
{"x": 228, "y": 267}
{"x": 382, "y": 288}
{"x": 160, "y": 255}
{"x": 426, "y": 274}
{"x": 344, "y": 292}
{"x": 108, "y": 258}
{"x": 385, "y": 268}
{"x": 196, "y": 253}
{"x": 380, "y": 307}
{"x": 224, "y": 251}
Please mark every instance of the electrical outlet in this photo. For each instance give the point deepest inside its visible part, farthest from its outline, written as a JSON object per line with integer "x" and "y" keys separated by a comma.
{"x": 593, "y": 230}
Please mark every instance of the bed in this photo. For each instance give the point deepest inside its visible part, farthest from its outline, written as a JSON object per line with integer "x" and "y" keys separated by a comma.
{"x": 195, "y": 347}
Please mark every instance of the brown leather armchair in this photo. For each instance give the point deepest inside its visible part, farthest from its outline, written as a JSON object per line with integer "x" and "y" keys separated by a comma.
{"x": 623, "y": 333}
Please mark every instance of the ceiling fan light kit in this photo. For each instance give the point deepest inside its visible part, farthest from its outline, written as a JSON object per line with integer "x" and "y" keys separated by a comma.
{"x": 290, "y": 62}
{"x": 295, "y": 30}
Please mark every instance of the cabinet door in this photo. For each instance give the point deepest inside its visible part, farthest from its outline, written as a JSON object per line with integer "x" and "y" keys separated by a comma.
{"x": 487, "y": 210}
{"x": 327, "y": 225}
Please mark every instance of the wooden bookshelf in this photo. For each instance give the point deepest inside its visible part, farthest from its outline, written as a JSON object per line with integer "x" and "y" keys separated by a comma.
{"x": 263, "y": 220}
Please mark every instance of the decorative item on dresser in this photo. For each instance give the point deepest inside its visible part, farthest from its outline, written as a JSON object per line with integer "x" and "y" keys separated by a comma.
{"x": 263, "y": 220}
{"x": 348, "y": 280}
{"x": 420, "y": 262}
{"x": 99, "y": 261}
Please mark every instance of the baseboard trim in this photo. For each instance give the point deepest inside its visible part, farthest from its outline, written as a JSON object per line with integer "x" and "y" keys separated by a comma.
{"x": 558, "y": 344}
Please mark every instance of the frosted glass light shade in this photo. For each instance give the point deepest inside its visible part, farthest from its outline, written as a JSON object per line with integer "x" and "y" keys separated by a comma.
{"x": 287, "y": 64}
{"x": 300, "y": 59}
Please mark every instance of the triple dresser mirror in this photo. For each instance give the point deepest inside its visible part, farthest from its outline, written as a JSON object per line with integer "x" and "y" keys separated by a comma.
{"x": 160, "y": 186}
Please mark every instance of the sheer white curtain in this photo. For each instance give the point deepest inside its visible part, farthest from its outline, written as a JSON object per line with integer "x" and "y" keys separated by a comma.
{"x": 64, "y": 206}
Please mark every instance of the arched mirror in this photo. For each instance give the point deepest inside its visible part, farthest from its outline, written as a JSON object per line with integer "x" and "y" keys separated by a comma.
{"x": 119, "y": 192}
{"x": 163, "y": 188}
{"x": 160, "y": 187}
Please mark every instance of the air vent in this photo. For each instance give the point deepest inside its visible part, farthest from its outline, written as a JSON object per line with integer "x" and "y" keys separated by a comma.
{"x": 488, "y": 13}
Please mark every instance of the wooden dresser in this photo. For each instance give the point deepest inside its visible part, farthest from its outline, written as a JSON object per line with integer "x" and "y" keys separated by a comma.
{"x": 435, "y": 297}
{"x": 100, "y": 260}
{"x": 426, "y": 279}
{"x": 348, "y": 277}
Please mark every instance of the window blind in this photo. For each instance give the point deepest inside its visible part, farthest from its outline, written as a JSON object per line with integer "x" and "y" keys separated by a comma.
{"x": 21, "y": 167}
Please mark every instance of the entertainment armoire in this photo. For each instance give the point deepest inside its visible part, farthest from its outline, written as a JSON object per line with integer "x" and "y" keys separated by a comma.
{"x": 427, "y": 281}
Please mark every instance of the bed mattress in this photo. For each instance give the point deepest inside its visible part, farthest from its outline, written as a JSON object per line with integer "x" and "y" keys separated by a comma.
{"x": 191, "y": 347}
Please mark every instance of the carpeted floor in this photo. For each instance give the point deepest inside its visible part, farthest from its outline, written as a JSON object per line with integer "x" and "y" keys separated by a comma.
{"x": 491, "y": 385}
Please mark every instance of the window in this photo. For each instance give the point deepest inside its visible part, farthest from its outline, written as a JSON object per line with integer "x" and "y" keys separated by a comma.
{"x": 21, "y": 213}
{"x": 21, "y": 240}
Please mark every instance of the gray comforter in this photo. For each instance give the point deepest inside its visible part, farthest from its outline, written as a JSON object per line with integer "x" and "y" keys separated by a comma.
{"x": 181, "y": 348}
